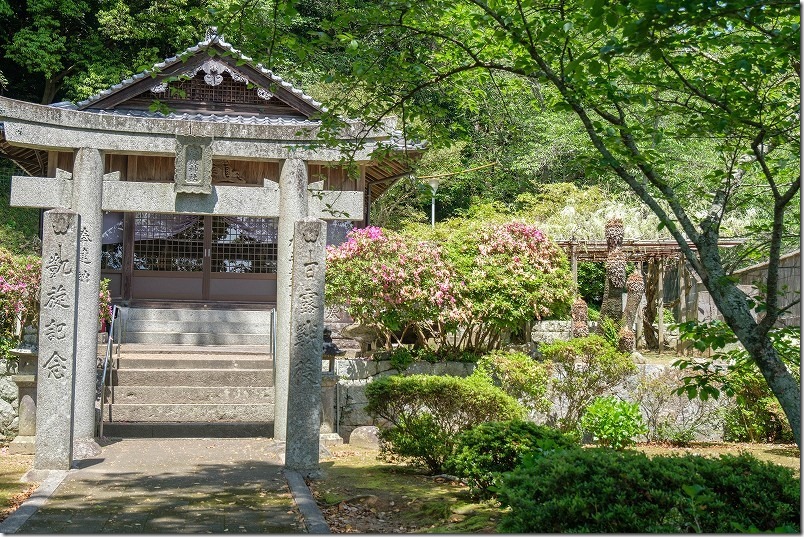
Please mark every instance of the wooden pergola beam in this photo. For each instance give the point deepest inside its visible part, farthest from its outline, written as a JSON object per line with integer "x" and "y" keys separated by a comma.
{"x": 635, "y": 250}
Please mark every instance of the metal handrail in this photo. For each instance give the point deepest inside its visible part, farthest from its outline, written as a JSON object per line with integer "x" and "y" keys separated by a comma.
{"x": 109, "y": 345}
{"x": 273, "y": 337}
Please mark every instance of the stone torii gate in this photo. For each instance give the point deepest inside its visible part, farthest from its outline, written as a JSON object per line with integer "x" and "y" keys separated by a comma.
{"x": 89, "y": 190}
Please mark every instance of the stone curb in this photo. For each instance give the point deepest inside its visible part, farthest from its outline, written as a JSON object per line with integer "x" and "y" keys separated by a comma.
{"x": 313, "y": 517}
{"x": 40, "y": 496}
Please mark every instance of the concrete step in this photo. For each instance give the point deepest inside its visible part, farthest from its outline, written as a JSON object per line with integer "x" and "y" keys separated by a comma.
{"x": 193, "y": 377}
{"x": 197, "y": 314}
{"x": 196, "y": 338}
{"x": 198, "y": 326}
{"x": 190, "y": 412}
{"x": 234, "y": 350}
{"x": 189, "y": 430}
{"x": 190, "y": 394}
{"x": 193, "y": 361}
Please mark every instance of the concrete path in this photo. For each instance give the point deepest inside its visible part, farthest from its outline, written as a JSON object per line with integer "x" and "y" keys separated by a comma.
{"x": 230, "y": 485}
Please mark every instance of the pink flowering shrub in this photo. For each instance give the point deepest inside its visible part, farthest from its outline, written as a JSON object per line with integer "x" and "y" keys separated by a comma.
{"x": 391, "y": 282}
{"x": 20, "y": 282}
{"x": 469, "y": 288}
{"x": 19, "y": 294}
{"x": 512, "y": 275}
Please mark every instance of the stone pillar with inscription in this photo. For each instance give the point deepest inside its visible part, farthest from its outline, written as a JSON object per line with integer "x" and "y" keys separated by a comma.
{"x": 292, "y": 207}
{"x": 87, "y": 200}
{"x": 58, "y": 320}
{"x": 306, "y": 343}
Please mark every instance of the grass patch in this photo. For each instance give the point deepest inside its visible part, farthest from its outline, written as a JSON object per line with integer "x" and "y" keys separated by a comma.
{"x": 357, "y": 493}
{"x": 787, "y": 455}
{"x": 12, "y": 492}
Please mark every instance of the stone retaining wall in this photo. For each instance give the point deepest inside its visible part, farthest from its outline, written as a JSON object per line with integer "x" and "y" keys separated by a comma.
{"x": 551, "y": 331}
{"x": 658, "y": 404}
{"x": 354, "y": 374}
{"x": 9, "y": 404}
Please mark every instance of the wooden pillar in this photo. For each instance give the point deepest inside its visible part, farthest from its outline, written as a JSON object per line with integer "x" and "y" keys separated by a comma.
{"x": 574, "y": 264}
{"x": 660, "y": 304}
{"x": 638, "y": 317}
{"x": 127, "y": 272}
{"x": 682, "y": 301}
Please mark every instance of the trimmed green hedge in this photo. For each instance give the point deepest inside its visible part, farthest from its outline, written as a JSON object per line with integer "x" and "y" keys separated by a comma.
{"x": 600, "y": 490}
{"x": 484, "y": 452}
{"x": 426, "y": 412}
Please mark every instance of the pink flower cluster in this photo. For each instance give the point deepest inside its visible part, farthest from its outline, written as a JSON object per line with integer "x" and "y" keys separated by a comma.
{"x": 358, "y": 242}
{"x": 518, "y": 243}
{"x": 19, "y": 291}
{"x": 381, "y": 271}
{"x": 13, "y": 292}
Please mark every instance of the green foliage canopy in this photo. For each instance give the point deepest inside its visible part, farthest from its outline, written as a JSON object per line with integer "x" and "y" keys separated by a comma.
{"x": 643, "y": 79}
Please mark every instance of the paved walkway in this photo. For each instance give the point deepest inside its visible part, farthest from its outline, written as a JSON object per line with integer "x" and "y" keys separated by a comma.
{"x": 231, "y": 485}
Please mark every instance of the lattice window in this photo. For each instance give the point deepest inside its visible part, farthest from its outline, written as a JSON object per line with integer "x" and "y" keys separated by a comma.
{"x": 112, "y": 241}
{"x": 243, "y": 245}
{"x": 228, "y": 91}
{"x": 168, "y": 242}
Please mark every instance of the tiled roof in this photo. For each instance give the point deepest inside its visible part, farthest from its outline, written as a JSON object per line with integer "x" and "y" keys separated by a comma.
{"x": 212, "y": 118}
{"x": 212, "y": 38}
{"x": 397, "y": 138}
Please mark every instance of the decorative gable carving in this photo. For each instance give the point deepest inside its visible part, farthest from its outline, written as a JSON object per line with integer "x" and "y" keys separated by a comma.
{"x": 208, "y": 78}
{"x": 211, "y": 82}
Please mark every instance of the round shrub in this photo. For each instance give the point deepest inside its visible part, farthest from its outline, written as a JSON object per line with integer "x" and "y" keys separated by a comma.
{"x": 600, "y": 490}
{"x": 613, "y": 422}
{"x": 426, "y": 412}
{"x": 583, "y": 369}
{"x": 519, "y": 375}
{"x": 484, "y": 452}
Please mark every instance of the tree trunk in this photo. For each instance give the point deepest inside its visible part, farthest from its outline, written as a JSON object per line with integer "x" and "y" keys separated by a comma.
{"x": 649, "y": 311}
{"x": 49, "y": 93}
{"x": 732, "y": 304}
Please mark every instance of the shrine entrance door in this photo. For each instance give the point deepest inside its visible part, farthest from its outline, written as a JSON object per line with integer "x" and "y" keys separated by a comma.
{"x": 197, "y": 258}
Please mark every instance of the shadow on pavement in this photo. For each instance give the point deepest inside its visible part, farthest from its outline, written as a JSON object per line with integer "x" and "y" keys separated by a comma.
{"x": 174, "y": 486}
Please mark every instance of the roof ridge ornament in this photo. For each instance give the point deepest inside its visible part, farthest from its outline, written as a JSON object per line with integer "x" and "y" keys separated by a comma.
{"x": 212, "y": 34}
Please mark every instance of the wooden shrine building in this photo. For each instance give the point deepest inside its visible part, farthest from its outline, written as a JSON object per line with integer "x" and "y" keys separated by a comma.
{"x": 192, "y": 205}
{"x": 166, "y": 239}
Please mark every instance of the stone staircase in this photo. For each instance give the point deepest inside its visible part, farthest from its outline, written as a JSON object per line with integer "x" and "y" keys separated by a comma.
{"x": 200, "y": 326}
{"x": 191, "y": 373}
{"x": 187, "y": 391}
{"x": 336, "y": 320}
{"x": 349, "y": 345}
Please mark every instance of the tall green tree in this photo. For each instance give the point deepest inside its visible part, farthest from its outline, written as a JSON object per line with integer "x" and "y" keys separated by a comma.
{"x": 640, "y": 76}
{"x": 53, "y": 49}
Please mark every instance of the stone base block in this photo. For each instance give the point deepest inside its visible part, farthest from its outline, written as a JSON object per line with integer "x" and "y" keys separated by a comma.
{"x": 85, "y": 448}
{"x": 366, "y": 436}
{"x": 330, "y": 439}
{"x": 38, "y": 476}
{"x": 22, "y": 445}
